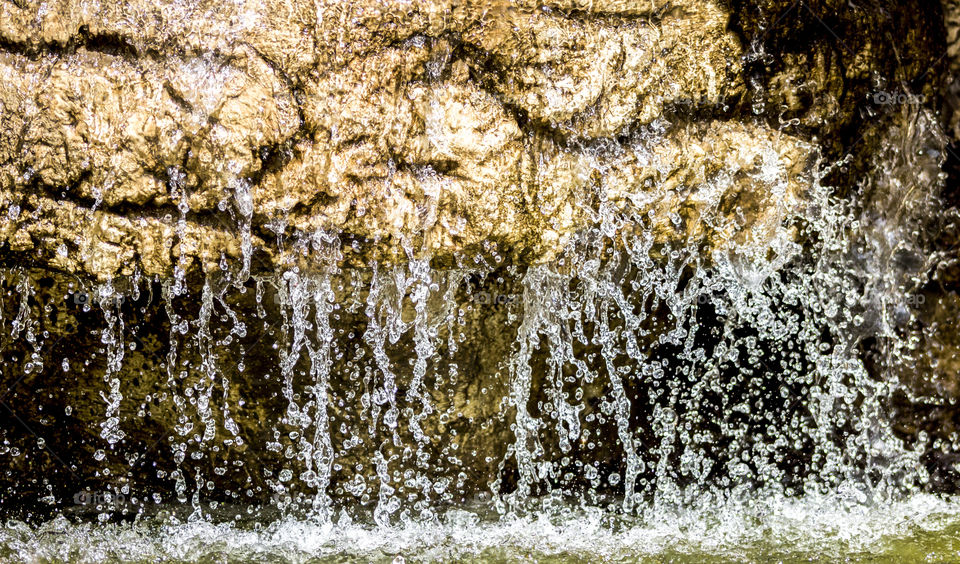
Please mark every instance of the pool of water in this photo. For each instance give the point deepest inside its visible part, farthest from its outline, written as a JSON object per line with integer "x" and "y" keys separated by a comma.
{"x": 921, "y": 528}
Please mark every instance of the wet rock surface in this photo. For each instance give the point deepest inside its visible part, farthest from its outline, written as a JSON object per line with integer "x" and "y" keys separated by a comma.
{"x": 386, "y": 124}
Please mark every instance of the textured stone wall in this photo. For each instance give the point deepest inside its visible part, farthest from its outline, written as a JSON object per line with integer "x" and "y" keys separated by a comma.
{"x": 144, "y": 135}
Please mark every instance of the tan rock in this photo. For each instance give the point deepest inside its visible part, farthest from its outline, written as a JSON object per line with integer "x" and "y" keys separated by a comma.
{"x": 596, "y": 76}
{"x": 413, "y": 128}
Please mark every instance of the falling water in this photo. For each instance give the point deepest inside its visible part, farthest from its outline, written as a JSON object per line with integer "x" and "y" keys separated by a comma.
{"x": 638, "y": 389}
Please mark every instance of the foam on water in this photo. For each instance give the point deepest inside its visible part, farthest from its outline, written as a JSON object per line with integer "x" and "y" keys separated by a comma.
{"x": 814, "y": 528}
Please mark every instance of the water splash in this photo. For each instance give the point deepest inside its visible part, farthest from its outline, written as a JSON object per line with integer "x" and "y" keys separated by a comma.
{"x": 666, "y": 360}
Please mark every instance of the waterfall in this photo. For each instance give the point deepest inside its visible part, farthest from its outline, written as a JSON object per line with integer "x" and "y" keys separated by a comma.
{"x": 710, "y": 354}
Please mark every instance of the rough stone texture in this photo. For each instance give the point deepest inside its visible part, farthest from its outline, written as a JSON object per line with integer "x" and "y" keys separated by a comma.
{"x": 418, "y": 126}
{"x": 400, "y": 126}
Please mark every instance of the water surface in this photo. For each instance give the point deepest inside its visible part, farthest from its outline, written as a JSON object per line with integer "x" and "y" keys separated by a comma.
{"x": 921, "y": 528}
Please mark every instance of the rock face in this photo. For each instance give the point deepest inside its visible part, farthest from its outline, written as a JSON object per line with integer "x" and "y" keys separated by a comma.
{"x": 157, "y": 146}
{"x": 436, "y": 127}
{"x": 144, "y": 136}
